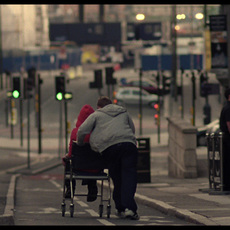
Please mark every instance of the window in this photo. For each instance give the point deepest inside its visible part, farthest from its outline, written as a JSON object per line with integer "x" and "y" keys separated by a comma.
{"x": 125, "y": 92}
{"x": 137, "y": 93}
{"x": 148, "y": 29}
{"x": 98, "y": 29}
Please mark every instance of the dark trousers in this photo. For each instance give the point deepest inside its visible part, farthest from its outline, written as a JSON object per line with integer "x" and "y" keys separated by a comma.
{"x": 226, "y": 163}
{"x": 122, "y": 164}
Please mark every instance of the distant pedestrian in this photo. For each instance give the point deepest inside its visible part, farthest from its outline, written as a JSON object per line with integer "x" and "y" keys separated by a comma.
{"x": 225, "y": 128}
{"x": 113, "y": 135}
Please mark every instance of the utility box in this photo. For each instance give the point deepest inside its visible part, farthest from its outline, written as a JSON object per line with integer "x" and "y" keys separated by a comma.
{"x": 143, "y": 164}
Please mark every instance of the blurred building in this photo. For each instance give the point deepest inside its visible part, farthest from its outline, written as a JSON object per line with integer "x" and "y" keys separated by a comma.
{"x": 24, "y": 27}
{"x": 188, "y": 25}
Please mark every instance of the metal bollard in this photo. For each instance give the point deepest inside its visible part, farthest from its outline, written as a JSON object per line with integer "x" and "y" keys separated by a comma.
{"x": 209, "y": 138}
{"x": 221, "y": 162}
{"x": 216, "y": 162}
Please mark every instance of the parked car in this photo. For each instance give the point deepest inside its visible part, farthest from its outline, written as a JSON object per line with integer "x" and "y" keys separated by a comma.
{"x": 147, "y": 84}
{"x": 201, "y": 132}
{"x": 131, "y": 95}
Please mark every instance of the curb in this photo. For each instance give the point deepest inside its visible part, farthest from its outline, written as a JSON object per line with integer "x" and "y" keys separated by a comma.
{"x": 165, "y": 208}
{"x": 8, "y": 217}
{"x": 183, "y": 214}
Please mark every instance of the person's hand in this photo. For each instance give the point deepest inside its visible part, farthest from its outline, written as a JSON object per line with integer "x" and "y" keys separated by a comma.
{"x": 65, "y": 159}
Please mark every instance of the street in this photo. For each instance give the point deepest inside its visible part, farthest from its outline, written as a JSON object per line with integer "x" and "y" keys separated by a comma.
{"x": 50, "y": 108}
{"x": 39, "y": 197}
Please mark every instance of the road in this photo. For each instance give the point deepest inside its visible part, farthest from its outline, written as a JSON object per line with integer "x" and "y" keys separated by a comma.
{"x": 50, "y": 108}
{"x": 39, "y": 197}
{"x": 50, "y": 111}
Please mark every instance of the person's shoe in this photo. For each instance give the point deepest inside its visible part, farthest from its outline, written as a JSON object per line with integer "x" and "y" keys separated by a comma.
{"x": 92, "y": 193}
{"x": 120, "y": 214}
{"x": 129, "y": 214}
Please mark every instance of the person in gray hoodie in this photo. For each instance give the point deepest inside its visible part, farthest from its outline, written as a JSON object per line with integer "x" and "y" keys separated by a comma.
{"x": 113, "y": 135}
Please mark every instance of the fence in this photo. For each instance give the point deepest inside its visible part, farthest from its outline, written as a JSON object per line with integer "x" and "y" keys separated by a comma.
{"x": 216, "y": 163}
{"x": 41, "y": 60}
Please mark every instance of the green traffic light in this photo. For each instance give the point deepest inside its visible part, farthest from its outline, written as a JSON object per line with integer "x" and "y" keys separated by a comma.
{"x": 59, "y": 96}
{"x": 16, "y": 94}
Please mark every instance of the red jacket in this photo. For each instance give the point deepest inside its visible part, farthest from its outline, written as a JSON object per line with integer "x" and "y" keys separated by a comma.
{"x": 86, "y": 110}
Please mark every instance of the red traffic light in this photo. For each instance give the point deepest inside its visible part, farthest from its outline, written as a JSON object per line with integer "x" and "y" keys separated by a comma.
{"x": 156, "y": 106}
{"x": 156, "y": 116}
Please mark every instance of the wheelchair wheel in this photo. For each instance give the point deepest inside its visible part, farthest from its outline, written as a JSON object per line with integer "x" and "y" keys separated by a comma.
{"x": 108, "y": 210}
{"x": 71, "y": 209}
{"x": 100, "y": 210}
{"x": 63, "y": 209}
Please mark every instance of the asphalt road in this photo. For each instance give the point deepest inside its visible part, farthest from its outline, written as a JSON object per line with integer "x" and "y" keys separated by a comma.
{"x": 50, "y": 108}
{"x": 39, "y": 197}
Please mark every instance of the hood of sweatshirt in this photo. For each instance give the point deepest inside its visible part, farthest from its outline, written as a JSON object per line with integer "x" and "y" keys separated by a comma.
{"x": 112, "y": 110}
{"x": 86, "y": 110}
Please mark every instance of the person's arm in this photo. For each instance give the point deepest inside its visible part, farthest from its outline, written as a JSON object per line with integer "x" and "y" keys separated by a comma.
{"x": 227, "y": 119}
{"x": 86, "y": 127}
{"x": 72, "y": 138}
{"x": 131, "y": 124}
{"x": 228, "y": 125}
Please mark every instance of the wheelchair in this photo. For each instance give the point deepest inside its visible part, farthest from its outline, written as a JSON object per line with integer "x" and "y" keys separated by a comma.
{"x": 84, "y": 158}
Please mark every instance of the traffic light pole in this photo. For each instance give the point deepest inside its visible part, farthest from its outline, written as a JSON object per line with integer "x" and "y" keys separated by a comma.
{"x": 39, "y": 114}
{"x": 66, "y": 127}
{"x": 11, "y": 118}
{"x": 182, "y": 94}
{"x": 158, "y": 111}
{"x": 28, "y": 132}
{"x": 60, "y": 131}
{"x": 140, "y": 101}
{"x": 21, "y": 123}
{"x": 193, "y": 98}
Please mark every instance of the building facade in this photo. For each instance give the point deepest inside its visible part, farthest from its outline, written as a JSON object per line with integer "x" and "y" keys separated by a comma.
{"x": 24, "y": 27}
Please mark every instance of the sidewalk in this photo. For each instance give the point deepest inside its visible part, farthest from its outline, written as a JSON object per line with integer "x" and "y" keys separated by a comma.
{"x": 178, "y": 197}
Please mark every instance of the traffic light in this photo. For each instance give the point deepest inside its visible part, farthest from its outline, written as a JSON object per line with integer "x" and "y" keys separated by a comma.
{"x": 156, "y": 116}
{"x": 156, "y": 107}
{"x": 32, "y": 76}
{"x": 60, "y": 88}
{"x": 16, "y": 91}
{"x": 207, "y": 114}
{"x": 166, "y": 84}
{"x": 109, "y": 80}
{"x": 97, "y": 80}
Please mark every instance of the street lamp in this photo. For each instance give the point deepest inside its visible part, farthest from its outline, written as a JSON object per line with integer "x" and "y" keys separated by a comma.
{"x": 180, "y": 16}
{"x": 140, "y": 17}
{"x": 199, "y": 16}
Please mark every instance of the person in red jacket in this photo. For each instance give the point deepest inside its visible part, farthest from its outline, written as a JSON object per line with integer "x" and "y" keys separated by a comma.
{"x": 86, "y": 110}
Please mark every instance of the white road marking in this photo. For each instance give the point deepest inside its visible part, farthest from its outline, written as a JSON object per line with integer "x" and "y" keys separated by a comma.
{"x": 56, "y": 184}
{"x": 82, "y": 204}
{"x": 105, "y": 222}
{"x": 92, "y": 212}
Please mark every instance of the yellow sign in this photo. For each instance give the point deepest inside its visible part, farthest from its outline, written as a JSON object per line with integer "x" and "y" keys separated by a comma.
{"x": 208, "y": 55}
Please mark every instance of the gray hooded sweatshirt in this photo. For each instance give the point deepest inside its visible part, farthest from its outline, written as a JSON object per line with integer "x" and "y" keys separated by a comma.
{"x": 108, "y": 126}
